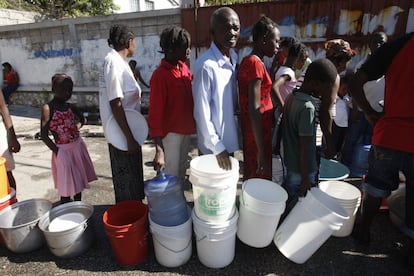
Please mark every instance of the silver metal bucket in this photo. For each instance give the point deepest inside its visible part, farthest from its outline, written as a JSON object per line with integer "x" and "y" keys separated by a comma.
{"x": 70, "y": 242}
{"x": 19, "y": 225}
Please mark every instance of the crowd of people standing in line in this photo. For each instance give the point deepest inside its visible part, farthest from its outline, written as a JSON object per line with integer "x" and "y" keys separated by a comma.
{"x": 280, "y": 107}
{"x": 280, "y": 110}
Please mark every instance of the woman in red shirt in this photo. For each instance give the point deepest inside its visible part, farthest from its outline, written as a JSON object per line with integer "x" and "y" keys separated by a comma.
{"x": 10, "y": 81}
{"x": 255, "y": 102}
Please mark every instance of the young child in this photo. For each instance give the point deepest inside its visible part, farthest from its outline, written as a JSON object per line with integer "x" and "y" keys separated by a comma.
{"x": 299, "y": 129}
{"x": 72, "y": 167}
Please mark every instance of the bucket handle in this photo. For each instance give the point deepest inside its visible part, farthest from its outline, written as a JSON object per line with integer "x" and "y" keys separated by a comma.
{"x": 206, "y": 236}
{"x": 69, "y": 244}
{"x": 169, "y": 249}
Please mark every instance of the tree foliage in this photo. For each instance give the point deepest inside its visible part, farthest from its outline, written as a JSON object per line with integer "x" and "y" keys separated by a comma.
{"x": 57, "y": 9}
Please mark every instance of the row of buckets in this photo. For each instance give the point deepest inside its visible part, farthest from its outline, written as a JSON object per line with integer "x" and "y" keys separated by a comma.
{"x": 216, "y": 222}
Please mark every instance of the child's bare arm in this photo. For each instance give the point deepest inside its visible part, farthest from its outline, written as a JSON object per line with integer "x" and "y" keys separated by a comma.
{"x": 44, "y": 129}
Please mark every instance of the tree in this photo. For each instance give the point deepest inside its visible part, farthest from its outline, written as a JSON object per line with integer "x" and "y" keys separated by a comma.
{"x": 57, "y": 9}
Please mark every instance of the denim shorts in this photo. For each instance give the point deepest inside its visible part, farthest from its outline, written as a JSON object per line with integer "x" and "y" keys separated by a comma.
{"x": 383, "y": 176}
{"x": 292, "y": 182}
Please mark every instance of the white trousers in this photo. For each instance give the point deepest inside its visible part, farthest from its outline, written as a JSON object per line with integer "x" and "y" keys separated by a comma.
{"x": 176, "y": 148}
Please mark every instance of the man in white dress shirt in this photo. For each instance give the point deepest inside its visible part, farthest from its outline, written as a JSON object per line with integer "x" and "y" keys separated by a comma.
{"x": 215, "y": 89}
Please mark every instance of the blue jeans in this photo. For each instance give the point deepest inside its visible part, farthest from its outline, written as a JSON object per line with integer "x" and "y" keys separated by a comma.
{"x": 292, "y": 182}
{"x": 359, "y": 131}
{"x": 383, "y": 176}
{"x": 8, "y": 90}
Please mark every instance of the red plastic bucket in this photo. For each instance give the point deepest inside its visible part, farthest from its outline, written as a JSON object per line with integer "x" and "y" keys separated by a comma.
{"x": 126, "y": 225}
{"x": 7, "y": 201}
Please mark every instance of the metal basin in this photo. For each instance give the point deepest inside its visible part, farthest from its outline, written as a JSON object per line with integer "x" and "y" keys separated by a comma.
{"x": 19, "y": 225}
{"x": 72, "y": 231}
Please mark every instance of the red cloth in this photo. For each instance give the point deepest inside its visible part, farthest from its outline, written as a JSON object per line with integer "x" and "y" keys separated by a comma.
{"x": 395, "y": 129}
{"x": 252, "y": 68}
{"x": 11, "y": 77}
{"x": 171, "y": 100}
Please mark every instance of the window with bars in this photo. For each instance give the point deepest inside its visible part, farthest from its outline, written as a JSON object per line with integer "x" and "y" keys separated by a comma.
{"x": 134, "y": 5}
{"x": 149, "y": 5}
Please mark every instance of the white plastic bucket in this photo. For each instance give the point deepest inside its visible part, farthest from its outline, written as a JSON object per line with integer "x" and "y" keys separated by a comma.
{"x": 215, "y": 242}
{"x": 214, "y": 189}
{"x": 308, "y": 225}
{"x": 261, "y": 204}
{"x": 349, "y": 197}
{"x": 172, "y": 244}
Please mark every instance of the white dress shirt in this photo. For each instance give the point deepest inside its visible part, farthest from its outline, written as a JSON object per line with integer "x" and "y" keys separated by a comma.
{"x": 215, "y": 97}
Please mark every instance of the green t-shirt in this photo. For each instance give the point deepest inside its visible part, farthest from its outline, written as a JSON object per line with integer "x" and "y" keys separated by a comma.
{"x": 298, "y": 120}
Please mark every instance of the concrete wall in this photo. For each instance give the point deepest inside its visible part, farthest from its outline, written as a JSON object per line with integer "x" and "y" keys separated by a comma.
{"x": 12, "y": 17}
{"x": 77, "y": 47}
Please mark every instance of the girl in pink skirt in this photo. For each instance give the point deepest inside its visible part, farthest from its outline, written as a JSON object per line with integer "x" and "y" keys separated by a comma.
{"x": 72, "y": 167}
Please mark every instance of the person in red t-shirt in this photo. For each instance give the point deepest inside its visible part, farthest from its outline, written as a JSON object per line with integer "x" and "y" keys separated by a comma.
{"x": 392, "y": 147}
{"x": 10, "y": 81}
{"x": 256, "y": 108}
{"x": 170, "y": 118}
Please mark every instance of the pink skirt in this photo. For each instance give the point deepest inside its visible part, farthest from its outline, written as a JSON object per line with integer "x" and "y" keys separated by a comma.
{"x": 72, "y": 168}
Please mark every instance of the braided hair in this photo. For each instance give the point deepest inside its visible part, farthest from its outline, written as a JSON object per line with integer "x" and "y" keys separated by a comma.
{"x": 173, "y": 38}
{"x": 263, "y": 27}
{"x": 119, "y": 37}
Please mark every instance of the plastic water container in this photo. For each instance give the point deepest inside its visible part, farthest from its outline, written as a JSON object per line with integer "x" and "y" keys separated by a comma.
{"x": 359, "y": 165}
{"x": 214, "y": 188}
{"x": 349, "y": 197}
{"x": 126, "y": 226}
{"x": 330, "y": 169}
{"x": 308, "y": 225}
{"x": 261, "y": 204}
{"x": 215, "y": 242}
{"x": 172, "y": 244}
{"x": 166, "y": 201}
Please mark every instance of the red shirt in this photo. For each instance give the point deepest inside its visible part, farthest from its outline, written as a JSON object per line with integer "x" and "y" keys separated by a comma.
{"x": 11, "y": 77}
{"x": 395, "y": 129}
{"x": 171, "y": 100}
{"x": 252, "y": 68}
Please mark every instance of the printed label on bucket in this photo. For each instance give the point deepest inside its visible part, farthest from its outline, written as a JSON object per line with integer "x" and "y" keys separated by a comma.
{"x": 215, "y": 204}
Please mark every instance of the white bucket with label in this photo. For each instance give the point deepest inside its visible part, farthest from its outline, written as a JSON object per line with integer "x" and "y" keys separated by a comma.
{"x": 172, "y": 244}
{"x": 216, "y": 242}
{"x": 261, "y": 204}
{"x": 349, "y": 197}
{"x": 214, "y": 189}
{"x": 308, "y": 225}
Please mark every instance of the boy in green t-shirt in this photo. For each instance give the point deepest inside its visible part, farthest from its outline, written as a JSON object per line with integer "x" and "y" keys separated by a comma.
{"x": 298, "y": 126}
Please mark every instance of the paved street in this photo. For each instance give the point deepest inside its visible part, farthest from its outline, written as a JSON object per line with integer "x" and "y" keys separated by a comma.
{"x": 338, "y": 256}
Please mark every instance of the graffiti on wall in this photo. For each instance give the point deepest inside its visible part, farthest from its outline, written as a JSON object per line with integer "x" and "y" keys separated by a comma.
{"x": 348, "y": 23}
{"x": 52, "y": 53}
{"x": 385, "y": 20}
